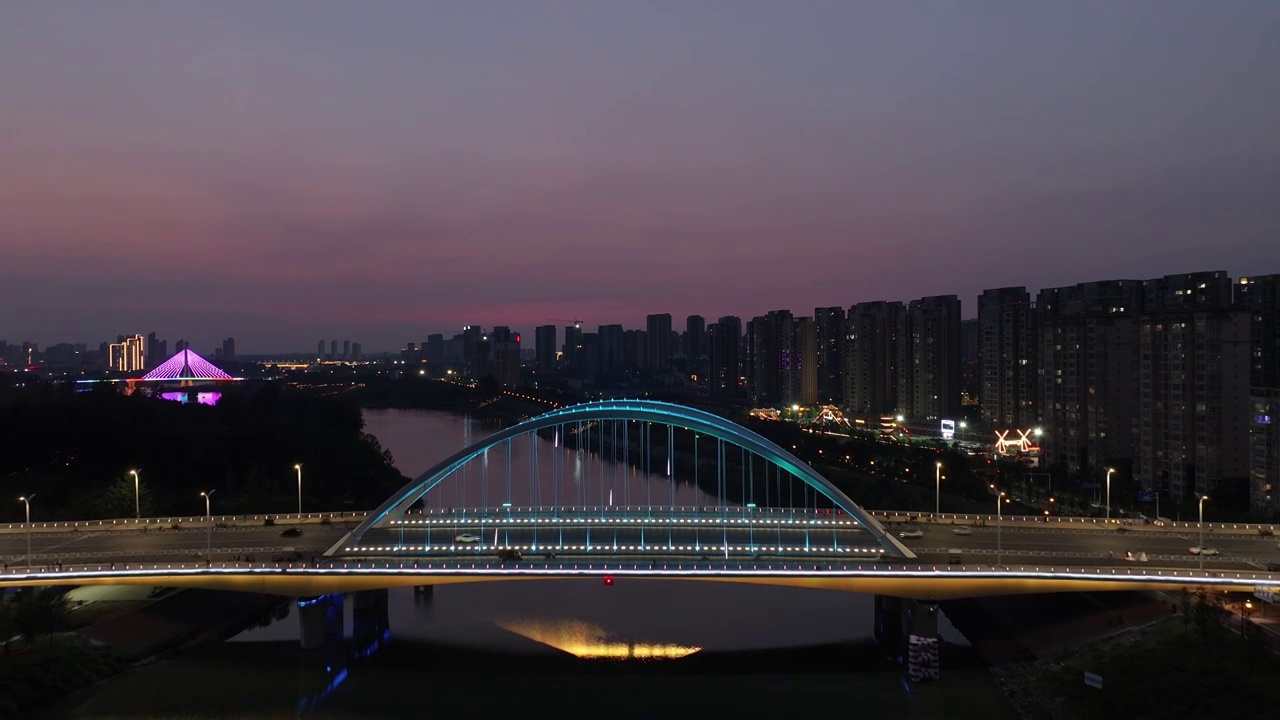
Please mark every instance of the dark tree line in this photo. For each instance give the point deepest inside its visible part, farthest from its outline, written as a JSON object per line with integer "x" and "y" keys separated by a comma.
{"x": 74, "y": 450}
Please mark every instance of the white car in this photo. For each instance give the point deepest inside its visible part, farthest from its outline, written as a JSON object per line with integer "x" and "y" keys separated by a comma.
{"x": 911, "y": 534}
{"x": 963, "y": 530}
{"x": 467, "y": 538}
{"x": 1140, "y": 557}
{"x": 1207, "y": 552}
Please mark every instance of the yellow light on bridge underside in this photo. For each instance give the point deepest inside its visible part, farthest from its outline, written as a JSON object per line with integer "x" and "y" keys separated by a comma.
{"x": 585, "y": 640}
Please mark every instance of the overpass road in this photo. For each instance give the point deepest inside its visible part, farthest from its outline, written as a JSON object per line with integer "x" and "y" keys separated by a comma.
{"x": 1024, "y": 543}
{"x": 169, "y": 544}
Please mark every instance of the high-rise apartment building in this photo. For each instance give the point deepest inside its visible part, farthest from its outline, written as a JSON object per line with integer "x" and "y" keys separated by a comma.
{"x": 724, "y": 338}
{"x": 319, "y": 350}
{"x": 333, "y": 349}
{"x": 505, "y": 349}
{"x": 229, "y": 350}
{"x": 933, "y": 332}
{"x": 875, "y": 352}
{"x": 571, "y": 354}
{"x": 658, "y": 330}
{"x": 611, "y": 361}
{"x": 1088, "y": 360}
{"x": 1261, "y": 296}
{"x": 346, "y": 349}
{"x": 971, "y": 362}
{"x": 128, "y": 354}
{"x": 803, "y": 387}
{"x": 831, "y": 339}
{"x": 1007, "y": 336}
{"x": 1193, "y": 386}
{"x": 355, "y": 350}
{"x": 635, "y": 348}
{"x": 1264, "y": 453}
{"x": 695, "y": 344}
{"x": 544, "y": 337}
{"x": 772, "y": 358}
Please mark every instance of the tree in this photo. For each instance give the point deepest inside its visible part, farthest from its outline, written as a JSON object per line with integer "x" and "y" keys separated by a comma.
{"x": 40, "y": 612}
{"x": 1206, "y": 614}
{"x": 7, "y": 627}
{"x": 119, "y": 502}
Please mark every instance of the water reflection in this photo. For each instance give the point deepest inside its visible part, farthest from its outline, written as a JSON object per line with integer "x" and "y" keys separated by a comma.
{"x": 584, "y": 640}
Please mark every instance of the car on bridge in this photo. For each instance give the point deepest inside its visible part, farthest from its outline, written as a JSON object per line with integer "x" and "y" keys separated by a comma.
{"x": 467, "y": 538}
{"x": 1205, "y": 551}
{"x": 963, "y": 530}
{"x": 911, "y": 534}
{"x": 291, "y": 532}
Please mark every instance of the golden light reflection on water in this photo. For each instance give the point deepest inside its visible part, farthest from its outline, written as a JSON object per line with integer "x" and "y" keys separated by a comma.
{"x": 585, "y": 640}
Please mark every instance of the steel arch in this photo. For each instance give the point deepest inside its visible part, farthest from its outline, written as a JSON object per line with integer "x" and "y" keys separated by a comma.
{"x": 644, "y": 411}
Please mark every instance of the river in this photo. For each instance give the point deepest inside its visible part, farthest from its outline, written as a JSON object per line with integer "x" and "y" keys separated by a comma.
{"x": 474, "y": 639}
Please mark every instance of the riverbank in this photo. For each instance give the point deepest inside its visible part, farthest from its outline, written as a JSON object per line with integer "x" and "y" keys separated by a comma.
{"x": 1162, "y": 670}
{"x": 114, "y": 635}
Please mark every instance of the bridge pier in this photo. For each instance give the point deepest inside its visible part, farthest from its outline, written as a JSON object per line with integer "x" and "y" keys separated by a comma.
{"x": 370, "y": 619}
{"x": 320, "y": 619}
{"x": 907, "y": 631}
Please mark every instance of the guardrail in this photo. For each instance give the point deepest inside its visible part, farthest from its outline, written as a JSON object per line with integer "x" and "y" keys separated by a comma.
{"x": 651, "y": 569}
{"x": 202, "y": 520}
{"x": 917, "y": 516}
{"x": 620, "y": 510}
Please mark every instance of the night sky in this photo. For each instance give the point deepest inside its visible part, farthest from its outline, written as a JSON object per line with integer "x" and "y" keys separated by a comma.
{"x": 297, "y": 170}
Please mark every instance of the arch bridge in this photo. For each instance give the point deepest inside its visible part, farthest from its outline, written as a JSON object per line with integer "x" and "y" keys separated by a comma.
{"x": 622, "y": 478}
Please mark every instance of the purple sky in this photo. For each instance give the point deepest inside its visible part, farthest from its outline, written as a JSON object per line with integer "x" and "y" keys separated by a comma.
{"x": 294, "y": 170}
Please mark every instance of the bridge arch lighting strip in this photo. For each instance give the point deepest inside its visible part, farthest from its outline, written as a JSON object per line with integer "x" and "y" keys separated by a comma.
{"x": 645, "y": 411}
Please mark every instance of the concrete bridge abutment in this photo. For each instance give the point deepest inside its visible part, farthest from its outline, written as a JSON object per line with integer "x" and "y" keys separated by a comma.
{"x": 907, "y": 630}
{"x": 320, "y": 619}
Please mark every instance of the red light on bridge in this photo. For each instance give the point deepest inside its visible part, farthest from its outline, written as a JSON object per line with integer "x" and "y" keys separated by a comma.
{"x": 608, "y": 581}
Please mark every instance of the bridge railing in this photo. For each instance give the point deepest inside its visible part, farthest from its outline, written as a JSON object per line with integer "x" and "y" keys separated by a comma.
{"x": 1062, "y": 520}
{"x": 655, "y": 568}
{"x": 886, "y": 515}
{"x": 138, "y": 523}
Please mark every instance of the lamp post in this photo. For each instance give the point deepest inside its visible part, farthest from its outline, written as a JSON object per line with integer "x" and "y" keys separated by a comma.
{"x": 208, "y": 537}
{"x": 26, "y": 500}
{"x": 1245, "y": 607}
{"x": 999, "y": 525}
{"x": 937, "y": 490}
{"x": 1201, "y": 553}
{"x": 298, "y": 467}
{"x": 1109, "y": 471}
{"x": 137, "y": 495}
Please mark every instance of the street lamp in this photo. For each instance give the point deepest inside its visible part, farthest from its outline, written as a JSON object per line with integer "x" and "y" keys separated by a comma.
{"x": 1201, "y": 553}
{"x": 937, "y": 489}
{"x": 137, "y": 495}
{"x": 26, "y": 500}
{"x": 999, "y": 525}
{"x": 298, "y": 467}
{"x": 208, "y": 537}
{"x": 1109, "y": 471}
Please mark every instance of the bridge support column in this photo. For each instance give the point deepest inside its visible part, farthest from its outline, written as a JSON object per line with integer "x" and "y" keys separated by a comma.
{"x": 907, "y": 631}
{"x": 370, "y": 619}
{"x": 320, "y": 619}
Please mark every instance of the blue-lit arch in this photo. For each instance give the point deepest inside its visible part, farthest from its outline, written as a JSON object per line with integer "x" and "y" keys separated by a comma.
{"x": 644, "y": 411}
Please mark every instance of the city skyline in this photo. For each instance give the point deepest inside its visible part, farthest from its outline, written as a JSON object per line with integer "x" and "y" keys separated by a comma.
{"x": 298, "y": 172}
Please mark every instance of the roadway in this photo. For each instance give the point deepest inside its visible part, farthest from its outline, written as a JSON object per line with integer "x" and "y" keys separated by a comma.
{"x": 166, "y": 544}
{"x": 802, "y": 537}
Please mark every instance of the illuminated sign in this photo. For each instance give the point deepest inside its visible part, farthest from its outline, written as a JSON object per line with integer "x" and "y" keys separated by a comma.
{"x": 948, "y": 429}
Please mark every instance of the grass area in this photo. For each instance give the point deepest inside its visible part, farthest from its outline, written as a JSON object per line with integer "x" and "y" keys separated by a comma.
{"x": 1166, "y": 670}
{"x": 52, "y": 670}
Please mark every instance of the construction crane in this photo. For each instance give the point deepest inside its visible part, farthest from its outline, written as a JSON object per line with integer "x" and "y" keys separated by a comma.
{"x": 575, "y": 322}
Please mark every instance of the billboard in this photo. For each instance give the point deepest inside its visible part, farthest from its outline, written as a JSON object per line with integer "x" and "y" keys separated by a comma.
{"x": 948, "y": 429}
